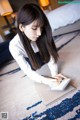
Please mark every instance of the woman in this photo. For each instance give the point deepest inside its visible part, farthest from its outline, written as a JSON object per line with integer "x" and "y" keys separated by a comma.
{"x": 33, "y": 47}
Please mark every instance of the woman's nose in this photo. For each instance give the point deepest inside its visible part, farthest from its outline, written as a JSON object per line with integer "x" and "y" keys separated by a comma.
{"x": 38, "y": 32}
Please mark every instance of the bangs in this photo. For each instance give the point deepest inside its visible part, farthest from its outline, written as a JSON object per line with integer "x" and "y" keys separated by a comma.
{"x": 40, "y": 22}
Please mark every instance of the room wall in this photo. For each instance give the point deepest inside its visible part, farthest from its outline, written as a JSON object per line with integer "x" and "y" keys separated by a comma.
{"x": 54, "y": 4}
{"x": 20, "y": 3}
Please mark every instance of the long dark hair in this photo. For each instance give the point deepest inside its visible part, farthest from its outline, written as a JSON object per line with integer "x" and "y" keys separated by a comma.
{"x": 26, "y": 15}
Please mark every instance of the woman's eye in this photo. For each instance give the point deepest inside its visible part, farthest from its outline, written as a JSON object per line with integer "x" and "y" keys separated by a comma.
{"x": 34, "y": 28}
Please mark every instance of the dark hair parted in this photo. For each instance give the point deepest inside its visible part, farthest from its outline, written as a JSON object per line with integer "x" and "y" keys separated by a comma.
{"x": 26, "y": 15}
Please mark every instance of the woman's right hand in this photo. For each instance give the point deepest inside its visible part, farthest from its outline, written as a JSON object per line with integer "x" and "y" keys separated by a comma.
{"x": 51, "y": 82}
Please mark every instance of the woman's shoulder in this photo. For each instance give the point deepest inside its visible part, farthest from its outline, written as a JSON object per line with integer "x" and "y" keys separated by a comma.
{"x": 16, "y": 46}
{"x": 15, "y": 40}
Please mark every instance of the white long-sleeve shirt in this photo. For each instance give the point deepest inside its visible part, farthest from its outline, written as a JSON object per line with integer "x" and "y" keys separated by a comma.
{"x": 19, "y": 54}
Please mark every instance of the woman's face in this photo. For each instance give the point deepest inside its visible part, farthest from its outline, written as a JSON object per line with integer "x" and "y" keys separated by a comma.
{"x": 32, "y": 31}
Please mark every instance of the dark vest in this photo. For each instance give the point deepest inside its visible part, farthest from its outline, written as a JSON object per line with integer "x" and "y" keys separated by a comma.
{"x": 39, "y": 59}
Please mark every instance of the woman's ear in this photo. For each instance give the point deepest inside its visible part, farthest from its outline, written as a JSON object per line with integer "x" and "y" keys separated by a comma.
{"x": 21, "y": 27}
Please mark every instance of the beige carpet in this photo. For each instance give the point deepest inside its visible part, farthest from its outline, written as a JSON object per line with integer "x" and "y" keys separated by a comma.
{"x": 49, "y": 96}
{"x": 44, "y": 91}
{"x": 18, "y": 92}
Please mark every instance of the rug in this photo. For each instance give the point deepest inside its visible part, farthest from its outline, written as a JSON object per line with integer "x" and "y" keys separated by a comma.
{"x": 20, "y": 99}
{"x": 62, "y": 111}
{"x": 48, "y": 96}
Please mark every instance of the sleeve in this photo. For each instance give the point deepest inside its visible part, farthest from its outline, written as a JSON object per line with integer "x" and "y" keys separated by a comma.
{"x": 24, "y": 65}
{"x": 53, "y": 67}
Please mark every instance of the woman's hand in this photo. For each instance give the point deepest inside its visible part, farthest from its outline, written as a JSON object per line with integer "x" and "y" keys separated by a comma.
{"x": 52, "y": 82}
{"x": 59, "y": 77}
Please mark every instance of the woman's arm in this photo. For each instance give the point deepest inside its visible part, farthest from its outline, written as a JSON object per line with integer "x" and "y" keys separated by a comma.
{"x": 53, "y": 67}
{"x": 24, "y": 65}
